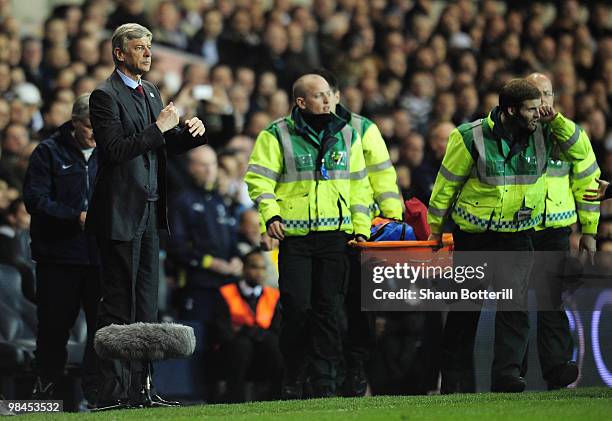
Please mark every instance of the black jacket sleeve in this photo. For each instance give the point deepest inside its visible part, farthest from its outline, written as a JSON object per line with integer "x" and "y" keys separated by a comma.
{"x": 109, "y": 134}
{"x": 179, "y": 140}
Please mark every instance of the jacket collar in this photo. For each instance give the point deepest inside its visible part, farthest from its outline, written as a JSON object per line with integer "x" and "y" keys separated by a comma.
{"x": 65, "y": 136}
{"x": 494, "y": 122}
{"x": 334, "y": 126}
{"x": 127, "y": 81}
{"x": 124, "y": 92}
{"x": 343, "y": 113}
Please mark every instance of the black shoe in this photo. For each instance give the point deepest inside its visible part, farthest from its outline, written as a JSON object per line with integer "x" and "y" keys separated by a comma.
{"x": 355, "y": 384}
{"x": 508, "y": 384}
{"x": 157, "y": 400}
{"x": 43, "y": 389}
{"x": 563, "y": 375}
{"x": 113, "y": 405}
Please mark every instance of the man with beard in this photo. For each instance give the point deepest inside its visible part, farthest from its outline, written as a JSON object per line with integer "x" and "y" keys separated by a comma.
{"x": 566, "y": 183}
{"x": 491, "y": 182}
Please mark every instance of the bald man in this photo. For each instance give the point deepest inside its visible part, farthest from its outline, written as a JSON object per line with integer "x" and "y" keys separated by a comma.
{"x": 307, "y": 176}
{"x": 566, "y": 184}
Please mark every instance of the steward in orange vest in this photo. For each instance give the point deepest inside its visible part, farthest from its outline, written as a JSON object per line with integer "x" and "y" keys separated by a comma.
{"x": 247, "y": 322}
{"x": 241, "y": 312}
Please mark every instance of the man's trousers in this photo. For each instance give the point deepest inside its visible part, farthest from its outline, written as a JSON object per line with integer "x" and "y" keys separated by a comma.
{"x": 61, "y": 291}
{"x": 312, "y": 282}
{"x": 511, "y": 327}
{"x": 130, "y": 282}
{"x": 555, "y": 344}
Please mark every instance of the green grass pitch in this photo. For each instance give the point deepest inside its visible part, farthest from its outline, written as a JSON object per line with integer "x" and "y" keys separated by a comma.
{"x": 568, "y": 404}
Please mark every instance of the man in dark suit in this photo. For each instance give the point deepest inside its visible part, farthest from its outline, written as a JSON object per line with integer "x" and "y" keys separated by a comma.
{"x": 134, "y": 132}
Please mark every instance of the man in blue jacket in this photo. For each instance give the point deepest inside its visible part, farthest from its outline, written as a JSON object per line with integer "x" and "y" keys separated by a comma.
{"x": 57, "y": 191}
{"x": 204, "y": 237}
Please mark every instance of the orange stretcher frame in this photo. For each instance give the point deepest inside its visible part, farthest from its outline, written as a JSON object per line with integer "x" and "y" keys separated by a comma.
{"x": 447, "y": 244}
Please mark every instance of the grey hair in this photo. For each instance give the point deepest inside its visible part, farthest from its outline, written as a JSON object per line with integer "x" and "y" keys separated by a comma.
{"x": 80, "y": 109}
{"x": 125, "y": 33}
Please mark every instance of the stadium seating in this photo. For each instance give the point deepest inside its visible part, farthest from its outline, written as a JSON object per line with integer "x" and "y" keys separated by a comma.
{"x": 18, "y": 324}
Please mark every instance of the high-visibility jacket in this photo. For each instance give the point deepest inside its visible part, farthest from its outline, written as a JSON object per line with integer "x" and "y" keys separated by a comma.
{"x": 381, "y": 173}
{"x": 313, "y": 181}
{"x": 240, "y": 311}
{"x": 566, "y": 183}
{"x": 483, "y": 188}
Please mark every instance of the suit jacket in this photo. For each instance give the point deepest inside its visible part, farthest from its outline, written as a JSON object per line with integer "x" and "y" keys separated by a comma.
{"x": 120, "y": 192}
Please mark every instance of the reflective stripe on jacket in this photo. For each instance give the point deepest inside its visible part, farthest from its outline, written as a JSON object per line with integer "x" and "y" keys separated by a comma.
{"x": 386, "y": 198}
{"x": 566, "y": 184}
{"x": 313, "y": 181}
{"x": 483, "y": 188}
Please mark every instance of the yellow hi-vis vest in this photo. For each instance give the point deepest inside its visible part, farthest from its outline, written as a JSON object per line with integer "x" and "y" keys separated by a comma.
{"x": 287, "y": 177}
{"x": 566, "y": 184}
{"x": 483, "y": 189}
{"x": 386, "y": 198}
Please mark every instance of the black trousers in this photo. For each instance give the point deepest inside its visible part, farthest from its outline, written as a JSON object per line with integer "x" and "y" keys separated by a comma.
{"x": 61, "y": 291}
{"x": 511, "y": 327}
{"x": 130, "y": 282}
{"x": 555, "y": 344}
{"x": 312, "y": 282}
{"x": 360, "y": 338}
{"x": 256, "y": 358}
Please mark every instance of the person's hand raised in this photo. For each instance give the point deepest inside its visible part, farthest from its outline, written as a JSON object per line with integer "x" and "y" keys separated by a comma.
{"x": 196, "y": 126}
{"x": 547, "y": 113}
{"x": 168, "y": 118}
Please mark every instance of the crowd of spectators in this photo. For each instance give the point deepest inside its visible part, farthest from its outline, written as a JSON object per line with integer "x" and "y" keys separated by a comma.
{"x": 417, "y": 68}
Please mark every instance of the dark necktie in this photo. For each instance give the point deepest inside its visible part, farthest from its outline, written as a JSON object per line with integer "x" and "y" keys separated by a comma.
{"x": 140, "y": 90}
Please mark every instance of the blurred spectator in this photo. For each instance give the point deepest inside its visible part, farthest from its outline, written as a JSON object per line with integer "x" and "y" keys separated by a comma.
{"x": 278, "y": 106}
{"x": 15, "y": 245}
{"x": 167, "y": 30}
{"x": 266, "y": 86}
{"x": 273, "y": 57}
{"x": 424, "y": 176}
{"x": 240, "y": 43}
{"x": 31, "y": 60}
{"x": 56, "y": 33}
{"x": 246, "y": 325}
{"x": 249, "y": 239}
{"x": 5, "y": 114}
{"x": 55, "y": 114}
{"x": 418, "y": 100}
{"x": 203, "y": 238}
{"x": 29, "y": 113}
{"x": 256, "y": 123}
{"x": 14, "y": 139}
{"x": 412, "y": 150}
{"x": 128, "y": 11}
{"x": 206, "y": 41}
